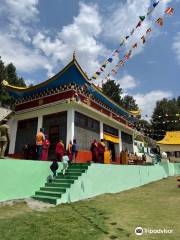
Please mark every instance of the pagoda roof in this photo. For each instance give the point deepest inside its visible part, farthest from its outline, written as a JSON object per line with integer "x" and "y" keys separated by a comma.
{"x": 171, "y": 138}
{"x": 72, "y": 73}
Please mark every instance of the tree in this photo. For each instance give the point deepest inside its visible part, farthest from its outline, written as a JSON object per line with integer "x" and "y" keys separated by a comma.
{"x": 129, "y": 103}
{"x": 165, "y": 117}
{"x": 112, "y": 90}
{"x": 12, "y": 77}
{"x": 8, "y": 73}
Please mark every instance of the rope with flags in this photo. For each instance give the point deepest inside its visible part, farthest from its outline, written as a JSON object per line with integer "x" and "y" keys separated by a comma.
{"x": 128, "y": 54}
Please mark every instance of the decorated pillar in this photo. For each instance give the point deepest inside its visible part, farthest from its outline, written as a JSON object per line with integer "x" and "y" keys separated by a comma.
{"x": 13, "y": 123}
{"x": 101, "y": 130}
{"x": 40, "y": 123}
{"x": 70, "y": 125}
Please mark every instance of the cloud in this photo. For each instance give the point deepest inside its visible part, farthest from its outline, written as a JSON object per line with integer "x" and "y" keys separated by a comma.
{"x": 176, "y": 46}
{"x": 147, "y": 101}
{"x": 81, "y": 36}
{"x": 25, "y": 59}
{"x": 127, "y": 82}
{"x": 126, "y": 16}
{"x": 20, "y": 15}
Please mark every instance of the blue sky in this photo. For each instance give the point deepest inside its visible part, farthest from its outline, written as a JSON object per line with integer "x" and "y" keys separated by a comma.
{"x": 39, "y": 37}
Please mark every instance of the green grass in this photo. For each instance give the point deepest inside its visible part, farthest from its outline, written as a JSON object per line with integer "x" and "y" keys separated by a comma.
{"x": 110, "y": 216}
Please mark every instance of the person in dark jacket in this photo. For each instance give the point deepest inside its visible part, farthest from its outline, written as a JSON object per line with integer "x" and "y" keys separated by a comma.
{"x": 74, "y": 151}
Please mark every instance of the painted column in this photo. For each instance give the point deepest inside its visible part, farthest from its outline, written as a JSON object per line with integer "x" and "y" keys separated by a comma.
{"x": 40, "y": 123}
{"x": 13, "y": 123}
{"x": 120, "y": 140}
{"x": 70, "y": 125}
{"x": 101, "y": 130}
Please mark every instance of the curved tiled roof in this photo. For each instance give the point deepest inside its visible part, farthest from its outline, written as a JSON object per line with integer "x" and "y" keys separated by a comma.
{"x": 72, "y": 73}
{"x": 171, "y": 138}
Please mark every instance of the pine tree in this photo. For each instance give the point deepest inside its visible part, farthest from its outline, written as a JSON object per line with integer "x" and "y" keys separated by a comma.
{"x": 112, "y": 90}
{"x": 9, "y": 74}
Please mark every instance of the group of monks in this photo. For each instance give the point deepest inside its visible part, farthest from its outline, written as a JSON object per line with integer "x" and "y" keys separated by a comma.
{"x": 98, "y": 149}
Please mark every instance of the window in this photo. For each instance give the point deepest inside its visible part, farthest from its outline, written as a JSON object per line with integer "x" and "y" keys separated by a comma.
{"x": 110, "y": 130}
{"x": 85, "y": 122}
{"x": 177, "y": 154}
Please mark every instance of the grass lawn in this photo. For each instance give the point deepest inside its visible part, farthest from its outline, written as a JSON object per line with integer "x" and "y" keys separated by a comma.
{"x": 110, "y": 216}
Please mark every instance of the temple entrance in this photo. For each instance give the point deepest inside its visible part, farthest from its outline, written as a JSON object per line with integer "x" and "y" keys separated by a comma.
{"x": 26, "y": 128}
{"x": 55, "y": 126}
{"x": 111, "y": 146}
{"x": 127, "y": 142}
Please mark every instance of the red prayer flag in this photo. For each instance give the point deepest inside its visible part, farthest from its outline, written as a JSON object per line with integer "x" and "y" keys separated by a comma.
{"x": 160, "y": 22}
{"x": 169, "y": 11}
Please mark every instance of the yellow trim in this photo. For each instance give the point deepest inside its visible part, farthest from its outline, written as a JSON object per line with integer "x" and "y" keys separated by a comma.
{"x": 111, "y": 138}
{"x": 171, "y": 138}
{"x": 136, "y": 113}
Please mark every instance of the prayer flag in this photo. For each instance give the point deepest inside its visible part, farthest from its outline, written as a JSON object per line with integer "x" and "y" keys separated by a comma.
{"x": 98, "y": 73}
{"x": 134, "y": 46}
{"x": 127, "y": 55}
{"x": 113, "y": 71}
{"x": 139, "y": 24}
{"x": 132, "y": 31}
{"x": 142, "y": 18}
{"x": 121, "y": 63}
{"x": 127, "y": 37}
{"x": 116, "y": 52}
{"x": 122, "y": 42}
{"x": 102, "y": 69}
{"x": 160, "y": 22}
{"x": 169, "y": 11}
{"x": 143, "y": 39}
{"x": 155, "y": 4}
{"x": 149, "y": 30}
{"x": 110, "y": 60}
{"x": 104, "y": 65}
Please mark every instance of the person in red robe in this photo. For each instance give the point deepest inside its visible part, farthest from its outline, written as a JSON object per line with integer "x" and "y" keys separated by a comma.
{"x": 94, "y": 150}
{"x": 101, "y": 150}
{"x": 60, "y": 150}
{"x": 45, "y": 149}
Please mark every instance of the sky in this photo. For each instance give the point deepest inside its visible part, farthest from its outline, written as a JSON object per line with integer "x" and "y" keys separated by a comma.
{"x": 39, "y": 37}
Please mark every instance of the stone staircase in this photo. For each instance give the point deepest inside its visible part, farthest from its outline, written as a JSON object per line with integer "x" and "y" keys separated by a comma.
{"x": 54, "y": 190}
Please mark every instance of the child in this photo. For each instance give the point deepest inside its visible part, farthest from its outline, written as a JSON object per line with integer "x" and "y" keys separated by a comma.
{"x": 65, "y": 161}
{"x": 54, "y": 167}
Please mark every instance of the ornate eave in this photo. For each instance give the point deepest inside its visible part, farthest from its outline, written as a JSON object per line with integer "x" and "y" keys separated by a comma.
{"x": 65, "y": 84}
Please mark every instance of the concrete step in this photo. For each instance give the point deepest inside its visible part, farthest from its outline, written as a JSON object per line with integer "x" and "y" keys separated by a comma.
{"x": 66, "y": 177}
{"x": 75, "y": 170}
{"x": 69, "y": 174}
{"x": 52, "y": 200}
{"x": 59, "y": 185}
{"x": 53, "y": 189}
{"x": 64, "y": 181}
{"x": 48, "y": 194}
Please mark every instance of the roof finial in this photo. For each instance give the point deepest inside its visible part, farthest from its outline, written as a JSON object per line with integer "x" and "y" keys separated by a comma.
{"x": 74, "y": 55}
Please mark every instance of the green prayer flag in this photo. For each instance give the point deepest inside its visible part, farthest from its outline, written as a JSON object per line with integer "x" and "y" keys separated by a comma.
{"x": 142, "y": 18}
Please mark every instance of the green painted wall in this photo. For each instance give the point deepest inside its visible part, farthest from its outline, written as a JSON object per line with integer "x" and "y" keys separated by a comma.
{"x": 21, "y": 178}
{"x": 100, "y": 179}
